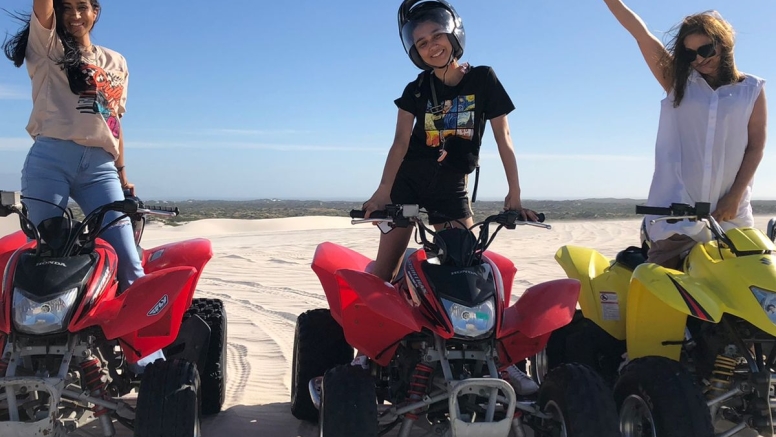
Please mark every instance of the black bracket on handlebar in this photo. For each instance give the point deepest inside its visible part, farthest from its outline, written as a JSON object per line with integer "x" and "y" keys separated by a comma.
{"x": 701, "y": 210}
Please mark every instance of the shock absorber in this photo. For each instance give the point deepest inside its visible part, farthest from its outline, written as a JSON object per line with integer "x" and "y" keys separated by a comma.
{"x": 95, "y": 381}
{"x": 722, "y": 375}
{"x": 419, "y": 382}
{"x": 3, "y": 359}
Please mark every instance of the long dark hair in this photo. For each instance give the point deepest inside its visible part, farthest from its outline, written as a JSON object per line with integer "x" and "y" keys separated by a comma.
{"x": 676, "y": 66}
{"x": 15, "y": 48}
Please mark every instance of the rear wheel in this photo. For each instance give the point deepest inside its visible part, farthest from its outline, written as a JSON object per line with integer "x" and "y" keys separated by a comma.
{"x": 319, "y": 345}
{"x": 168, "y": 402}
{"x": 348, "y": 403}
{"x": 584, "y": 342}
{"x": 657, "y": 397}
{"x": 213, "y": 374}
{"x": 580, "y": 403}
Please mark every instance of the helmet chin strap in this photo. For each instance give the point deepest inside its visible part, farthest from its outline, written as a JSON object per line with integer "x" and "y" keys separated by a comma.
{"x": 446, "y": 66}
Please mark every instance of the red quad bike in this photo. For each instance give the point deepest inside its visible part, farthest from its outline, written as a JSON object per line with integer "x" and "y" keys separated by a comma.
{"x": 71, "y": 341}
{"x": 438, "y": 341}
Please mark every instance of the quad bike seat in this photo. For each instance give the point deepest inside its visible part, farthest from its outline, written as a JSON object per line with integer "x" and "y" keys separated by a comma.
{"x": 631, "y": 257}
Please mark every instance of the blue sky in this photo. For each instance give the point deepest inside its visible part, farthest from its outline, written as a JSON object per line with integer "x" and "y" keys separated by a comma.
{"x": 247, "y": 99}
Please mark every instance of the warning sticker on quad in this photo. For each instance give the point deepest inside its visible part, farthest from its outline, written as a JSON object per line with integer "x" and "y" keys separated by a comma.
{"x": 610, "y": 305}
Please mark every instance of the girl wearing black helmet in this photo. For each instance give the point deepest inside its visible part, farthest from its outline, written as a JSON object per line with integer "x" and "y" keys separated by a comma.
{"x": 442, "y": 117}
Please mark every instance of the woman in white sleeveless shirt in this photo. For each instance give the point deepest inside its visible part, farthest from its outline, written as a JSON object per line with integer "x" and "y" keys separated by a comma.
{"x": 712, "y": 128}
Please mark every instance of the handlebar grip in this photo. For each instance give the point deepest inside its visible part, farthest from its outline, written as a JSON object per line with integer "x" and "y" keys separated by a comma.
{"x": 540, "y": 217}
{"x": 653, "y": 210}
{"x": 360, "y": 213}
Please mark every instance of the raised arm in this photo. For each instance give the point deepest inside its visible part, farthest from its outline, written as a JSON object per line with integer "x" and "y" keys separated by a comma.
{"x": 44, "y": 11}
{"x": 651, "y": 47}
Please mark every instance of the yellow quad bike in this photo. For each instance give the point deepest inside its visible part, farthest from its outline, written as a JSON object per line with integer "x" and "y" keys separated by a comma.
{"x": 691, "y": 353}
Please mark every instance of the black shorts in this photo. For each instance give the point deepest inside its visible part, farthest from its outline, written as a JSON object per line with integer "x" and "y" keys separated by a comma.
{"x": 439, "y": 190}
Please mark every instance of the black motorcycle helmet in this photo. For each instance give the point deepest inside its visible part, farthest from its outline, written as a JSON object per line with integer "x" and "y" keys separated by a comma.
{"x": 414, "y": 12}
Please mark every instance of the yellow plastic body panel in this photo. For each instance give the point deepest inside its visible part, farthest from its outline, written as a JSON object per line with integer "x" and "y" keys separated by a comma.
{"x": 604, "y": 292}
{"x": 714, "y": 282}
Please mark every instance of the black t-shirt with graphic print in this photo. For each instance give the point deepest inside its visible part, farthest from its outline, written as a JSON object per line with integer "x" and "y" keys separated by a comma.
{"x": 459, "y": 116}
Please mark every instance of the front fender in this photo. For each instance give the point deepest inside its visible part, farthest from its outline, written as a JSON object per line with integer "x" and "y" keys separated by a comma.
{"x": 659, "y": 302}
{"x": 375, "y": 317}
{"x": 147, "y": 316}
{"x": 526, "y": 326}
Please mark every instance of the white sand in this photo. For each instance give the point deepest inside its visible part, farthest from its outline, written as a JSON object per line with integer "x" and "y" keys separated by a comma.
{"x": 261, "y": 269}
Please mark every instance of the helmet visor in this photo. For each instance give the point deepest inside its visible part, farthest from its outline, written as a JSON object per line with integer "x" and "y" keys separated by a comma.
{"x": 421, "y": 28}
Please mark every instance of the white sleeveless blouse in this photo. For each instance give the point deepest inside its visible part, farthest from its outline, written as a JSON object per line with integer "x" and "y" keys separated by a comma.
{"x": 699, "y": 150}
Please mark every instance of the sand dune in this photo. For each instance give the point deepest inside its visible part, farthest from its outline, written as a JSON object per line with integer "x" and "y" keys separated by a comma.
{"x": 261, "y": 269}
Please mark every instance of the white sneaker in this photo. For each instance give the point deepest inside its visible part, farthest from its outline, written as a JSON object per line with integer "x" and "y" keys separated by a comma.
{"x": 139, "y": 367}
{"x": 522, "y": 383}
{"x": 361, "y": 360}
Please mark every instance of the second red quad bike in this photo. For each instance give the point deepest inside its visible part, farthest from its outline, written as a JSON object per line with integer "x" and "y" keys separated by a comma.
{"x": 437, "y": 342}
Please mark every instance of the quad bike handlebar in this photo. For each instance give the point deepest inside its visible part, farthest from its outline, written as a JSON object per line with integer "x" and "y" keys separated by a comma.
{"x": 403, "y": 216}
{"x": 77, "y": 234}
{"x": 681, "y": 211}
{"x": 397, "y": 213}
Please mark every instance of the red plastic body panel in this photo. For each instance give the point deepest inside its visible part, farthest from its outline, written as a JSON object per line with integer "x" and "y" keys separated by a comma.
{"x": 329, "y": 258}
{"x": 507, "y": 269}
{"x": 527, "y": 324}
{"x": 10, "y": 246}
{"x": 375, "y": 317}
{"x": 148, "y": 315}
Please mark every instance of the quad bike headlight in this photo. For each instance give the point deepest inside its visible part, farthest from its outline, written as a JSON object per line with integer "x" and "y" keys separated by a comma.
{"x": 767, "y": 300}
{"x": 471, "y": 322}
{"x": 33, "y": 317}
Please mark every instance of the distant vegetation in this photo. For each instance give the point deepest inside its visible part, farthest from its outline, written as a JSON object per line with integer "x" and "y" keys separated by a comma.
{"x": 587, "y": 209}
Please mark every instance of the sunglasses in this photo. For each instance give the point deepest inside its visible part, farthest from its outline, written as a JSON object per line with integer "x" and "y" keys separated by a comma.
{"x": 705, "y": 51}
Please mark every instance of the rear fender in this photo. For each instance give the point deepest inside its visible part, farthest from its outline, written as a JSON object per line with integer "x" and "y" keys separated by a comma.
{"x": 329, "y": 258}
{"x": 659, "y": 302}
{"x": 196, "y": 253}
{"x": 604, "y": 287}
{"x": 375, "y": 317}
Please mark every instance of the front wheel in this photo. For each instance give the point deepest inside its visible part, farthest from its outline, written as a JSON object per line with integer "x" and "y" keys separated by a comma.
{"x": 348, "y": 403}
{"x": 657, "y": 397}
{"x": 319, "y": 345}
{"x": 168, "y": 401}
{"x": 580, "y": 403}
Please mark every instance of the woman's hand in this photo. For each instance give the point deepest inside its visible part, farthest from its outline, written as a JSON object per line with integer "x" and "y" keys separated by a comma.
{"x": 125, "y": 184}
{"x": 727, "y": 208}
{"x": 377, "y": 202}
{"x": 512, "y": 203}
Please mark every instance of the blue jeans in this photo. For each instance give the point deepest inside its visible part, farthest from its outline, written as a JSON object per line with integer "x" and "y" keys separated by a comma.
{"x": 56, "y": 170}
